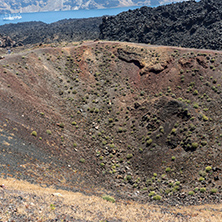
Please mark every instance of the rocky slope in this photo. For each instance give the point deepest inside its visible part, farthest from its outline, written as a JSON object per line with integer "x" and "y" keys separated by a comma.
{"x": 64, "y": 30}
{"x": 6, "y": 41}
{"x": 187, "y": 24}
{"x": 12, "y": 6}
{"x": 142, "y": 121}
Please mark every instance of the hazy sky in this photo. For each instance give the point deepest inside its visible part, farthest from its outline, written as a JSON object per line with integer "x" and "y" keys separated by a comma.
{"x": 169, "y": 1}
{"x": 161, "y": 1}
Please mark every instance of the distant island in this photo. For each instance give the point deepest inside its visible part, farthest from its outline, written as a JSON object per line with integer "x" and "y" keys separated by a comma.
{"x": 11, "y": 6}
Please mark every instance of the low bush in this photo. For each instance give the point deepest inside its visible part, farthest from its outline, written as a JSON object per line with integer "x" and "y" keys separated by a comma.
{"x": 157, "y": 197}
{"x": 48, "y": 132}
{"x": 203, "y": 189}
{"x": 82, "y": 160}
{"x": 34, "y": 133}
{"x": 168, "y": 169}
{"x": 191, "y": 193}
{"x": 208, "y": 168}
{"x": 109, "y": 198}
{"x": 214, "y": 190}
{"x": 149, "y": 142}
{"x": 152, "y": 193}
{"x": 201, "y": 179}
{"x": 194, "y": 145}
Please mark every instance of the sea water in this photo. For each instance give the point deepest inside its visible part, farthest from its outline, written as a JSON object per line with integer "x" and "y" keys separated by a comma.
{"x": 54, "y": 16}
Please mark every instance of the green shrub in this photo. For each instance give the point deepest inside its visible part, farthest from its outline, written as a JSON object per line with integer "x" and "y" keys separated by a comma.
{"x": 192, "y": 127}
{"x": 62, "y": 125}
{"x": 157, "y": 197}
{"x": 208, "y": 168}
{"x": 129, "y": 156}
{"x": 195, "y": 106}
{"x": 151, "y": 188}
{"x": 196, "y": 189}
{"x": 214, "y": 190}
{"x": 176, "y": 188}
{"x": 205, "y": 118}
{"x": 157, "y": 136}
{"x": 142, "y": 93}
{"x": 202, "y": 173}
{"x": 152, "y": 193}
{"x": 195, "y": 92}
{"x": 163, "y": 176}
{"x": 149, "y": 142}
{"x": 110, "y": 120}
{"x": 109, "y": 198}
{"x": 120, "y": 130}
{"x": 48, "y": 132}
{"x": 190, "y": 193}
{"x": 170, "y": 184}
{"x": 52, "y": 206}
{"x": 194, "y": 145}
{"x": 167, "y": 191}
{"x": 168, "y": 169}
{"x": 173, "y": 131}
{"x": 82, "y": 160}
{"x": 111, "y": 145}
{"x": 128, "y": 177}
{"x": 203, "y": 189}
{"x": 147, "y": 138}
{"x": 155, "y": 174}
{"x": 173, "y": 158}
{"x": 74, "y": 123}
{"x": 93, "y": 137}
{"x": 201, "y": 179}
{"x": 204, "y": 143}
{"x": 140, "y": 150}
{"x": 104, "y": 142}
{"x": 149, "y": 181}
{"x": 177, "y": 183}
{"x": 34, "y": 133}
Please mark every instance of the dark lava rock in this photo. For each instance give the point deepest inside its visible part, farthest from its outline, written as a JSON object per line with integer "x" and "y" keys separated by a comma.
{"x": 64, "y": 30}
{"x": 6, "y": 41}
{"x": 188, "y": 24}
